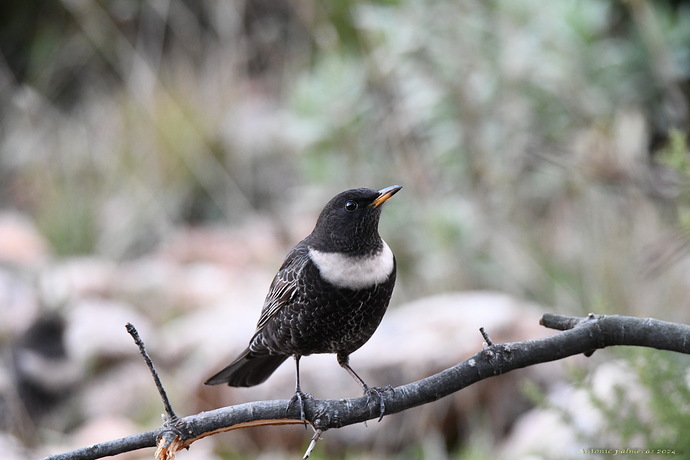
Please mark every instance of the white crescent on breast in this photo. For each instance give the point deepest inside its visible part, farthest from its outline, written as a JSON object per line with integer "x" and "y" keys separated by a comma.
{"x": 354, "y": 272}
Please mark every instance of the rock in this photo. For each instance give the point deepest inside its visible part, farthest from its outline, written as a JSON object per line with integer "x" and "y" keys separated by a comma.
{"x": 96, "y": 330}
{"x": 20, "y": 243}
{"x": 19, "y": 303}
{"x": 11, "y": 448}
{"x": 78, "y": 277}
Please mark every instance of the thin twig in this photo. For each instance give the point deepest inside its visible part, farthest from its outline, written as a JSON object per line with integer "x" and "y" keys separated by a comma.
{"x": 312, "y": 444}
{"x": 142, "y": 349}
{"x": 487, "y": 339}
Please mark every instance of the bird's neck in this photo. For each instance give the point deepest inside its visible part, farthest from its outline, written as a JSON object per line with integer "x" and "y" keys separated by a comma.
{"x": 359, "y": 247}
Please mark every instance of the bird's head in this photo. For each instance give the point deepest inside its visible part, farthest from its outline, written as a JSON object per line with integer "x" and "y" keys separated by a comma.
{"x": 349, "y": 222}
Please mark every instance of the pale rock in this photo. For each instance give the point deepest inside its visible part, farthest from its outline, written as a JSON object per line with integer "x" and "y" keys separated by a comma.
{"x": 20, "y": 242}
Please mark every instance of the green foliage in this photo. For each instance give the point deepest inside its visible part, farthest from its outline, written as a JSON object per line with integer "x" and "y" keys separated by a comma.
{"x": 660, "y": 416}
{"x": 676, "y": 156}
{"x": 667, "y": 380}
{"x": 640, "y": 401}
{"x": 675, "y": 153}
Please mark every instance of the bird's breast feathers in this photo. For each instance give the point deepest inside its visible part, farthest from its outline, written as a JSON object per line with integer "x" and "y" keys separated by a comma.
{"x": 354, "y": 272}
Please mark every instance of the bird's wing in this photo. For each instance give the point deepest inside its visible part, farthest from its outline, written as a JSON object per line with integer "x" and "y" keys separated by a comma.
{"x": 285, "y": 285}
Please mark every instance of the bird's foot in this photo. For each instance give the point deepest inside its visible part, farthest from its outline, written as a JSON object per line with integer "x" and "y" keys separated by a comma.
{"x": 378, "y": 393}
{"x": 298, "y": 398}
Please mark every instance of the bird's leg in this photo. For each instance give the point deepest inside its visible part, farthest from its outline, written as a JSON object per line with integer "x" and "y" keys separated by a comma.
{"x": 299, "y": 397}
{"x": 344, "y": 361}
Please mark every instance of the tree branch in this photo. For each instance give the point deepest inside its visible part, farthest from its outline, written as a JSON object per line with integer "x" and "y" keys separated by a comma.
{"x": 171, "y": 416}
{"x": 580, "y": 335}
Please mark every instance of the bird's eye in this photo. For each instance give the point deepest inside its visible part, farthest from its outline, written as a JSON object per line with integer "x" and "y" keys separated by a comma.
{"x": 350, "y": 206}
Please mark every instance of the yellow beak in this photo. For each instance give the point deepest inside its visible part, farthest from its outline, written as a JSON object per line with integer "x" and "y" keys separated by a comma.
{"x": 384, "y": 194}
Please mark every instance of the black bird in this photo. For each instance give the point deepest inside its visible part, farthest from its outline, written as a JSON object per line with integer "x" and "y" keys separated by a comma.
{"x": 329, "y": 296}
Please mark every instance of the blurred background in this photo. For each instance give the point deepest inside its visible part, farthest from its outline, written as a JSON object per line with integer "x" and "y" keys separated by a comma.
{"x": 159, "y": 158}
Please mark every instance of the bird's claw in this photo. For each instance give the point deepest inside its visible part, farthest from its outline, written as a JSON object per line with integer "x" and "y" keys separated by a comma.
{"x": 299, "y": 398}
{"x": 378, "y": 391}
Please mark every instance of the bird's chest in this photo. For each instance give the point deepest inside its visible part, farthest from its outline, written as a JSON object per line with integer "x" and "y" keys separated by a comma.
{"x": 327, "y": 318}
{"x": 337, "y": 320}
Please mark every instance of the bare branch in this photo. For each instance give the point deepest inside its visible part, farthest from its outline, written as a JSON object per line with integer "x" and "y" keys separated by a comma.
{"x": 159, "y": 385}
{"x": 486, "y": 337}
{"x": 580, "y": 335}
{"x": 312, "y": 444}
{"x": 609, "y": 330}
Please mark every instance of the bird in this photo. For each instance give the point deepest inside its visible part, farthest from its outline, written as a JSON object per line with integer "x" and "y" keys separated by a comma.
{"x": 329, "y": 295}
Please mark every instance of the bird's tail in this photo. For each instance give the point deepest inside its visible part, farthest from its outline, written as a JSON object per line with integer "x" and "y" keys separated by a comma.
{"x": 248, "y": 370}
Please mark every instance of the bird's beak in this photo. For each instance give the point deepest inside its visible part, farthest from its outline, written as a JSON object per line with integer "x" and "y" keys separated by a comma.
{"x": 384, "y": 194}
